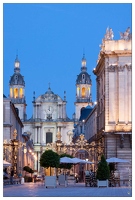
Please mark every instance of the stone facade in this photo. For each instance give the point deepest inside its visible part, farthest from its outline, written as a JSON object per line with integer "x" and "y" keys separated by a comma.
{"x": 13, "y": 132}
{"x": 49, "y": 123}
{"x": 114, "y": 92}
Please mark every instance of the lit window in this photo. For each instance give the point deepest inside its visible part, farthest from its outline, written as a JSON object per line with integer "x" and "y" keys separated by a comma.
{"x": 21, "y": 92}
{"x": 83, "y": 92}
{"x": 15, "y": 93}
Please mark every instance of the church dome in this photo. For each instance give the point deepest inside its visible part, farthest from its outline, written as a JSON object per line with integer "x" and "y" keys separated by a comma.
{"x": 49, "y": 92}
{"x": 83, "y": 77}
{"x": 17, "y": 79}
{"x": 49, "y": 96}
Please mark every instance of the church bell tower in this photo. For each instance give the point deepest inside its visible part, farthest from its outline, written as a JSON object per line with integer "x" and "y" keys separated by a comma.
{"x": 17, "y": 90}
{"x": 83, "y": 90}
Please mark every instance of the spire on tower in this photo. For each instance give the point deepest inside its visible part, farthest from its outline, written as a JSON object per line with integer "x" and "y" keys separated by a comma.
{"x": 64, "y": 95}
{"x": 17, "y": 65}
{"x": 83, "y": 68}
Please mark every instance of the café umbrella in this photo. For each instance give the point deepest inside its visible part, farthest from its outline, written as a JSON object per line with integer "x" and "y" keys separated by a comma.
{"x": 116, "y": 160}
{"x": 6, "y": 164}
{"x": 66, "y": 160}
{"x": 78, "y": 160}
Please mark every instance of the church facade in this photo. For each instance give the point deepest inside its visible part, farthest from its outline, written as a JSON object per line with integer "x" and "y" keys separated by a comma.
{"x": 49, "y": 122}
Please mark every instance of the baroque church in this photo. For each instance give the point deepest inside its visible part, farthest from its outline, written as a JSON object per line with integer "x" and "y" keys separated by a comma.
{"x": 49, "y": 122}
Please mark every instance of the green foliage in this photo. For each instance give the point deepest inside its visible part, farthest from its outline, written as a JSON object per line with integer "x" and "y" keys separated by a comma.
{"x": 65, "y": 165}
{"x": 112, "y": 167}
{"x": 28, "y": 169}
{"x": 49, "y": 159}
{"x": 103, "y": 171}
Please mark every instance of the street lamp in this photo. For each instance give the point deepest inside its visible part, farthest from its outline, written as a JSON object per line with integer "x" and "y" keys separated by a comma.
{"x": 25, "y": 150}
{"x": 87, "y": 164}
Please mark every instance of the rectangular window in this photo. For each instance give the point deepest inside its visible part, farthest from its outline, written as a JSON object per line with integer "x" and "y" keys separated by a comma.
{"x": 48, "y": 137}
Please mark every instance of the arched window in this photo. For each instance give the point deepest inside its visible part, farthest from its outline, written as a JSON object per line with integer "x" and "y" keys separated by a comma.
{"x": 15, "y": 93}
{"x": 11, "y": 93}
{"x": 83, "y": 92}
{"x": 48, "y": 137}
{"x": 21, "y": 92}
{"x": 83, "y": 78}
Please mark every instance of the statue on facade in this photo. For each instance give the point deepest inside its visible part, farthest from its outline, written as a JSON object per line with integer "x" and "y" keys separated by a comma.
{"x": 58, "y": 135}
{"x": 126, "y": 35}
{"x": 15, "y": 134}
{"x": 109, "y": 34}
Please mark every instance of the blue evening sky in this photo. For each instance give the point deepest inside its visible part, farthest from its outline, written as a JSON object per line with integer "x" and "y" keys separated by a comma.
{"x": 50, "y": 39}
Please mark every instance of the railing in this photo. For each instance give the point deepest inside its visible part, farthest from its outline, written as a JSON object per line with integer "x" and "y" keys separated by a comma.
{"x": 15, "y": 181}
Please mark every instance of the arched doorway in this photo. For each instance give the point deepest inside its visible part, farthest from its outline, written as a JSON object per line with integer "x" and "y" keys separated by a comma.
{"x": 81, "y": 167}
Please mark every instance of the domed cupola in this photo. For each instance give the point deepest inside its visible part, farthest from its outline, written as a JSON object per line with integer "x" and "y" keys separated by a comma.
{"x": 83, "y": 77}
{"x": 49, "y": 95}
{"x": 17, "y": 78}
{"x": 49, "y": 92}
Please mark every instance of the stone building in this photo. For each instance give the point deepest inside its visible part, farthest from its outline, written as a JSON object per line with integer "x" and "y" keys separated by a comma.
{"x": 49, "y": 123}
{"x": 114, "y": 92}
{"x": 15, "y": 145}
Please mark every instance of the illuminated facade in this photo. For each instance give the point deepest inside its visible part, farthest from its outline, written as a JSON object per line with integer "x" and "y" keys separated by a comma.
{"x": 48, "y": 124}
{"x": 15, "y": 144}
{"x": 114, "y": 91}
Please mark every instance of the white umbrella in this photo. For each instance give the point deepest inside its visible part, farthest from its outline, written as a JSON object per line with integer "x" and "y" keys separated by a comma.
{"x": 78, "y": 160}
{"x": 6, "y": 164}
{"x": 66, "y": 160}
{"x": 116, "y": 160}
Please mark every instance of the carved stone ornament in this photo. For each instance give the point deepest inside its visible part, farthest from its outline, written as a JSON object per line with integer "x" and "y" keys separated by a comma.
{"x": 120, "y": 68}
{"x": 109, "y": 34}
{"x": 129, "y": 67}
{"x": 111, "y": 68}
{"x": 126, "y": 35}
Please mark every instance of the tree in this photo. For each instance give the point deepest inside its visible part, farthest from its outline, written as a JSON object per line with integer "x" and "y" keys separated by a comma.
{"x": 103, "y": 171}
{"x": 49, "y": 159}
{"x": 65, "y": 165}
{"x": 28, "y": 169}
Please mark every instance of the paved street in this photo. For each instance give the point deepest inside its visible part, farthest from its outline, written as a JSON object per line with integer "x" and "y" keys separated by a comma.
{"x": 79, "y": 190}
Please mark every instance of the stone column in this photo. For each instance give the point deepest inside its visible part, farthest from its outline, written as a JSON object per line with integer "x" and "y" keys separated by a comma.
{"x": 39, "y": 141}
{"x": 35, "y": 134}
{"x": 38, "y": 158}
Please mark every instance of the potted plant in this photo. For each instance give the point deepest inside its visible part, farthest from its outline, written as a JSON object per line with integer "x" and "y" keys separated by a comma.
{"x": 103, "y": 172}
{"x": 29, "y": 170}
{"x": 50, "y": 159}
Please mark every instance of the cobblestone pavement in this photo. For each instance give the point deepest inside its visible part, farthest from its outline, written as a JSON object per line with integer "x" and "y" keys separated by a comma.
{"x": 78, "y": 190}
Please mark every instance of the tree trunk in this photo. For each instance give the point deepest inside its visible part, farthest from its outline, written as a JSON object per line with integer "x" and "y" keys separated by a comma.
{"x": 50, "y": 171}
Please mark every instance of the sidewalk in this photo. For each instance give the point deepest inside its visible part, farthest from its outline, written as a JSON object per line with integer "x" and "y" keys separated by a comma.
{"x": 78, "y": 190}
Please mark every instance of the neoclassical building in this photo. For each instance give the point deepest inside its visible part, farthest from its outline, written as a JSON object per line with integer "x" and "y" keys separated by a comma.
{"x": 114, "y": 97}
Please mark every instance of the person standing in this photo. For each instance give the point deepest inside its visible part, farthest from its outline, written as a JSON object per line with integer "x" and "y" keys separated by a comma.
{"x": 11, "y": 176}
